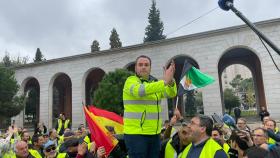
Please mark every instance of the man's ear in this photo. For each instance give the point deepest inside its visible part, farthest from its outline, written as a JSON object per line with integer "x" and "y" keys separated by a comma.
{"x": 203, "y": 129}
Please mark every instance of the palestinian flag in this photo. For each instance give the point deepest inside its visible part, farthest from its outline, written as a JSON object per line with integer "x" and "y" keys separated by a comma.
{"x": 192, "y": 78}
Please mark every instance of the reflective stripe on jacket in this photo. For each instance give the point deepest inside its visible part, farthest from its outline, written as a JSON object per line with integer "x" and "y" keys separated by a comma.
{"x": 142, "y": 105}
{"x": 66, "y": 123}
{"x": 170, "y": 152}
{"x": 209, "y": 150}
{"x": 35, "y": 153}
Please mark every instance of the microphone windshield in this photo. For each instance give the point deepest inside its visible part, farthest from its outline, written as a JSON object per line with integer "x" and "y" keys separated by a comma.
{"x": 223, "y": 4}
{"x": 228, "y": 120}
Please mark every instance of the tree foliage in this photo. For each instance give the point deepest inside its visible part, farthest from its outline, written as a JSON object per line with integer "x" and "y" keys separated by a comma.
{"x": 10, "y": 104}
{"x": 95, "y": 46}
{"x": 236, "y": 81}
{"x": 8, "y": 61}
{"x": 154, "y": 30}
{"x": 108, "y": 95}
{"x": 230, "y": 100}
{"x": 38, "y": 56}
{"x": 115, "y": 41}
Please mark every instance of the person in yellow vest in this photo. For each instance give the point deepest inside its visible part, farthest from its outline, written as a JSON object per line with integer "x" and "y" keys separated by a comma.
{"x": 171, "y": 148}
{"x": 202, "y": 146}
{"x": 26, "y": 137}
{"x": 217, "y": 135}
{"x": 273, "y": 132}
{"x": 21, "y": 151}
{"x": 142, "y": 96}
{"x": 260, "y": 138}
{"x": 62, "y": 124}
{"x": 36, "y": 148}
{"x": 51, "y": 152}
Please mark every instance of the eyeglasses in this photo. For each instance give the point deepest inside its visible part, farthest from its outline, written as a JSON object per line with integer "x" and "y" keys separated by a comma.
{"x": 52, "y": 148}
{"x": 257, "y": 135}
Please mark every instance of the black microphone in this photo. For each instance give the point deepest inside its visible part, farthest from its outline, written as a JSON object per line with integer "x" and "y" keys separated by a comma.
{"x": 228, "y": 5}
{"x": 225, "y": 4}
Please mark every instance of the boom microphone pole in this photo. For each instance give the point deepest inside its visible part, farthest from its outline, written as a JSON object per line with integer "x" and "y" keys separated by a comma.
{"x": 228, "y": 5}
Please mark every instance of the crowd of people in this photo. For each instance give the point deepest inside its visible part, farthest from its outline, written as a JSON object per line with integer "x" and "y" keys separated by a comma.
{"x": 145, "y": 135}
{"x": 59, "y": 142}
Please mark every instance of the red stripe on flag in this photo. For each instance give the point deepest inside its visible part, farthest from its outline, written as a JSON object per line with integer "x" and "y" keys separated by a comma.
{"x": 107, "y": 114}
{"x": 100, "y": 134}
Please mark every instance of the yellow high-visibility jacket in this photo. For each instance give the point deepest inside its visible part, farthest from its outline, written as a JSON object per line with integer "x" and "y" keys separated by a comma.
{"x": 142, "y": 105}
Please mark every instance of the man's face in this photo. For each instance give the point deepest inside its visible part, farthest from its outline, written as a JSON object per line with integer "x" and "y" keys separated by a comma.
{"x": 195, "y": 129}
{"x": 265, "y": 119}
{"x": 241, "y": 125}
{"x": 259, "y": 138}
{"x": 269, "y": 125}
{"x": 25, "y": 136}
{"x": 22, "y": 149}
{"x": 50, "y": 152}
{"x": 143, "y": 67}
{"x": 216, "y": 135}
{"x": 184, "y": 135}
{"x": 41, "y": 141}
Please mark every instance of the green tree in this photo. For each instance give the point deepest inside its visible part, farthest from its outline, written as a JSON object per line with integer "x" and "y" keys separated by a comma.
{"x": 95, "y": 46}
{"x": 108, "y": 95}
{"x": 9, "y": 61}
{"x": 230, "y": 100}
{"x": 235, "y": 83}
{"x": 10, "y": 104}
{"x": 154, "y": 31}
{"x": 115, "y": 40}
{"x": 247, "y": 86}
{"x": 38, "y": 56}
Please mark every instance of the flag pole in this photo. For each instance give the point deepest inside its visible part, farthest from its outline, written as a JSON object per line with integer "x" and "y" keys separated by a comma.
{"x": 177, "y": 98}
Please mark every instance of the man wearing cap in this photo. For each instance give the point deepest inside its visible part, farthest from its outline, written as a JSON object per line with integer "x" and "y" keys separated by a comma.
{"x": 142, "y": 96}
{"x": 49, "y": 149}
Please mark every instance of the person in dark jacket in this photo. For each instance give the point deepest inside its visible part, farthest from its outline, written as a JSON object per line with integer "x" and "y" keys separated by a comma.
{"x": 237, "y": 113}
{"x": 263, "y": 113}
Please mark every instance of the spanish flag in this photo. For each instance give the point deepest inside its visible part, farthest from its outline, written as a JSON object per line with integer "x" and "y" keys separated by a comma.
{"x": 99, "y": 133}
{"x": 192, "y": 78}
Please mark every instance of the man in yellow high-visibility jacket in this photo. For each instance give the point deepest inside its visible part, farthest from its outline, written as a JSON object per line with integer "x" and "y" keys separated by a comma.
{"x": 202, "y": 146}
{"x": 142, "y": 96}
{"x": 62, "y": 124}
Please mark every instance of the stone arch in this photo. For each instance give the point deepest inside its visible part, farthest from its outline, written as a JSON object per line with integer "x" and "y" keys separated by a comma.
{"x": 179, "y": 63}
{"x": 90, "y": 81}
{"x": 31, "y": 112}
{"x": 245, "y": 56}
{"x": 130, "y": 66}
{"x": 60, "y": 93}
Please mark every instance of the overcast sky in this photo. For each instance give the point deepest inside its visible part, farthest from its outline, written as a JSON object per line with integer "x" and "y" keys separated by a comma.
{"x": 67, "y": 27}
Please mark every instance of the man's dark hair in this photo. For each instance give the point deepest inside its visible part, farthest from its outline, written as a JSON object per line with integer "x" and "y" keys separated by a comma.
{"x": 256, "y": 152}
{"x": 35, "y": 138}
{"x": 242, "y": 144}
{"x": 143, "y": 56}
{"x": 207, "y": 122}
{"x": 217, "y": 129}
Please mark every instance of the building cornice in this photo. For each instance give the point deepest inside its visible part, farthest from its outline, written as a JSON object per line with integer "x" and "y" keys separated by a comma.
{"x": 152, "y": 44}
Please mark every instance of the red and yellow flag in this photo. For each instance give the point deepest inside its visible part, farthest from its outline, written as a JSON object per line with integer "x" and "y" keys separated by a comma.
{"x": 107, "y": 118}
{"x": 99, "y": 133}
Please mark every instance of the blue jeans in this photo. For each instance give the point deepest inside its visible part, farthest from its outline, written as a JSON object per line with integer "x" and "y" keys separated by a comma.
{"x": 142, "y": 146}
